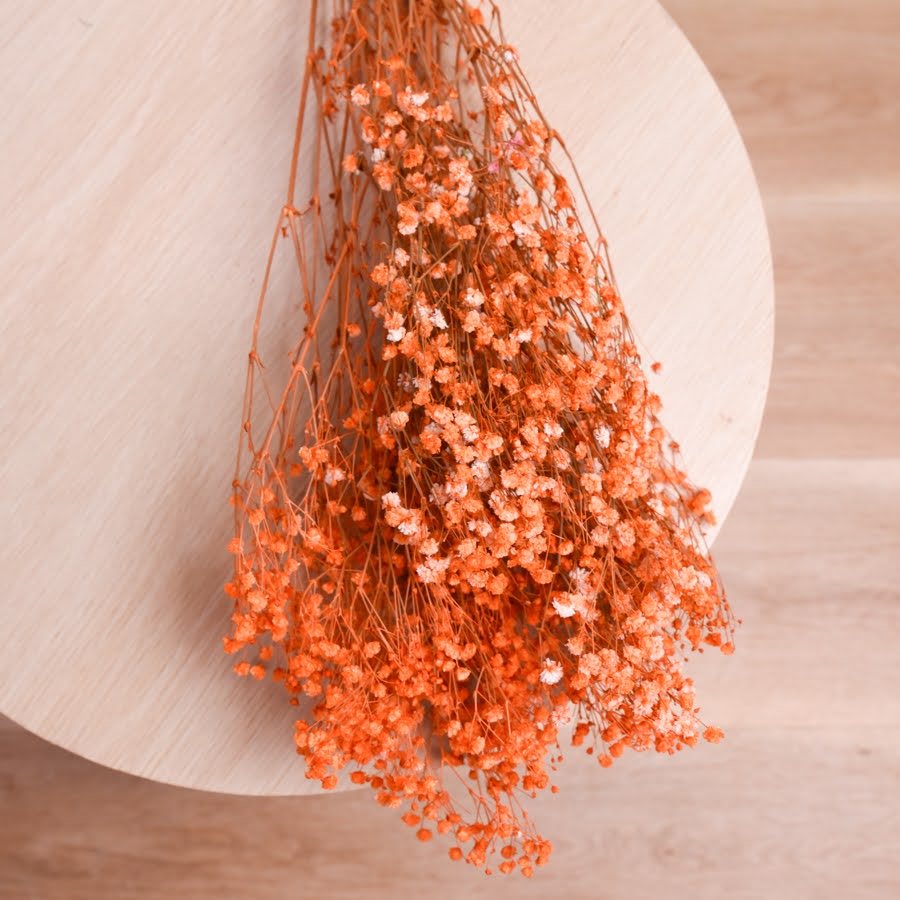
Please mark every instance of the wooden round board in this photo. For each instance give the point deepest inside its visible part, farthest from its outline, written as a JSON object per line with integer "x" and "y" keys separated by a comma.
{"x": 146, "y": 151}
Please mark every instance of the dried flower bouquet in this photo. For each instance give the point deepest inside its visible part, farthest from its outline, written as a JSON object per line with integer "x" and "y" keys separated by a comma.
{"x": 459, "y": 524}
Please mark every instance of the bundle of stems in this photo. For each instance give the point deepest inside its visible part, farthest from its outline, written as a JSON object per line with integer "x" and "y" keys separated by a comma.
{"x": 459, "y": 524}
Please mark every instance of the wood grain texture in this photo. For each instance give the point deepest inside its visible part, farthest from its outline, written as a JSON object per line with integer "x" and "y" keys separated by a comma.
{"x": 836, "y": 375}
{"x": 812, "y": 822}
{"x": 147, "y": 148}
{"x": 814, "y": 86}
{"x": 800, "y": 802}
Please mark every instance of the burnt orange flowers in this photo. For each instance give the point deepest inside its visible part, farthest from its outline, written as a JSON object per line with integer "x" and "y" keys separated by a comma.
{"x": 459, "y": 521}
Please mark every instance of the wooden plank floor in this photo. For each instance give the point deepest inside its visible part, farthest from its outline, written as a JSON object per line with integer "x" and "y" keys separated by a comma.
{"x": 803, "y": 799}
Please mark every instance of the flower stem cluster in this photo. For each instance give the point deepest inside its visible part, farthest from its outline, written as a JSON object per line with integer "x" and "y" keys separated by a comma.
{"x": 461, "y": 529}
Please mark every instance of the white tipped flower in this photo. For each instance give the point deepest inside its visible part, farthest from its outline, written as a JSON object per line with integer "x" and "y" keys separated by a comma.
{"x": 359, "y": 95}
{"x": 564, "y": 610}
{"x": 602, "y": 436}
{"x": 553, "y": 429}
{"x": 552, "y": 673}
{"x": 581, "y": 580}
{"x": 480, "y": 469}
{"x": 432, "y": 570}
{"x": 473, "y": 298}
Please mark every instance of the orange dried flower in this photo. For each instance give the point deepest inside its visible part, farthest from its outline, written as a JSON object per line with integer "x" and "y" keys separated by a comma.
{"x": 459, "y": 518}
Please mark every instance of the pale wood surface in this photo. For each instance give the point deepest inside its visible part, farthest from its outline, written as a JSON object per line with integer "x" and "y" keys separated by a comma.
{"x": 801, "y": 801}
{"x": 148, "y": 151}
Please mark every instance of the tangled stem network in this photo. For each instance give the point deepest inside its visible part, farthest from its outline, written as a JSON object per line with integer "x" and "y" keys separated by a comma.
{"x": 459, "y": 524}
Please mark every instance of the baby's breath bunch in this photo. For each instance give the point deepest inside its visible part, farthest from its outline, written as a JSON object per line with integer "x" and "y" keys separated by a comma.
{"x": 461, "y": 525}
